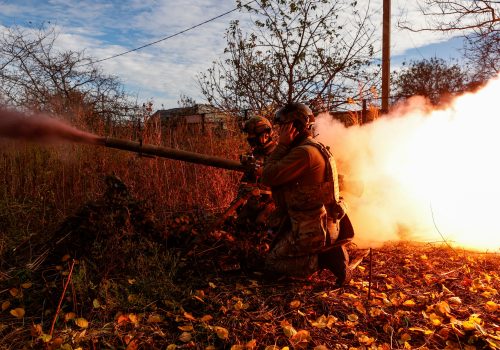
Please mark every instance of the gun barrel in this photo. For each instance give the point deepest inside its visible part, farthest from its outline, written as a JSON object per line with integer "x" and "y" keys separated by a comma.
{"x": 171, "y": 153}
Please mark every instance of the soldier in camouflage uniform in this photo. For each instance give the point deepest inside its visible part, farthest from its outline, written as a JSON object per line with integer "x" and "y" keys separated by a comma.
{"x": 259, "y": 204}
{"x": 303, "y": 177}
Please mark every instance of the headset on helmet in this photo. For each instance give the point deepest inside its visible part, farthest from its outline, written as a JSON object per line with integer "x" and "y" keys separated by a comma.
{"x": 295, "y": 112}
{"x": 257, "y": 125}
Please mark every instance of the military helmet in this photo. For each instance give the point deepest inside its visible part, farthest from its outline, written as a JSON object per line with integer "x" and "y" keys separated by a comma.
{"x": 257, "y": 125}
{"x": 294, "y": 111}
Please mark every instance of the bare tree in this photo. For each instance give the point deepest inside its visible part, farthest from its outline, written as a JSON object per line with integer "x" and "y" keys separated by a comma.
{"x": 476, "y": 20}
{"x": 35, "y": 75}
{"x": 434, "y": 78}
{"x": 296, "y": 50}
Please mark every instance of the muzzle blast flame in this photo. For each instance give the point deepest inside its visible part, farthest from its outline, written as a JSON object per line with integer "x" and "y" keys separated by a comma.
{"x": 430, "y": 174}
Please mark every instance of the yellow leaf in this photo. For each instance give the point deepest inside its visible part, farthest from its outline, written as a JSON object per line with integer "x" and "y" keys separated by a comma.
{"x": 212, "y": 285}
{"x": 18, "y": 312}
{"x": 491, "y": 306}
{"x": 435, "y": 319}
{"x": 405, "y": 337}
{"x": 455, "y": 300}
{"x": 320, "y": 322}
{"x": 14, "y": 292}
{"x": 295, "y": 304}
{"x": 251, "y": 344}
{"x": 171, "y": 347}
{"x": 423, "y": 257}
{"x": 45, "y": 337}
{"x": 222, "y": 333}
{"x": 300, "y": 339}
{"x": 409, "y": 303}
{"x": 418, "y": 329}
{"x": 26, "y": 285}
{"x": 81, "y": 322}
{"x": 206, "y": 318}
{"x": 189, "y": 317}
{"x": 366, "y": 340}
{"x": 5, "y": 305}
{"x": 353, "y": 317}
{"x": 154, "y": 318}
{"x": 239, "y": 305}
{"x": 238, "y": 347}
{"x": 133, "y": 318}
{"x": 186, "y": 328}
{"x": 185, "y": 337}
{"x": 443, "y": 308}
{"x": 288, "y": 329}
{"x": 132, "y": 281}
{"x": 69, "y": 316}
{"x": 320, "y": 347}
{"x": 96, "y": 304}
{"x": 359, "y": 306}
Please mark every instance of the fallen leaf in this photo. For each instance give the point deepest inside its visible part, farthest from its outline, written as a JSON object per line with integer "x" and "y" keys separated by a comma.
{"x": 96, "y": 304}
{"x": 185, "y": 337}
{"x": 45, "y": 337}
{"x": 288, "y": 329}
{"x": 422, "y": 330}
{"x": 409, "y": 303}
{"x": 26, "y": 285}
{"x": 366, "y": 340}
{"x": 206, "y": 318}
{"x": 189, "y": 317}
{"x": 14, "y": 292}
{"x": 222, "y": 333}
{"x": 491, "y": 306}
{"x": 154, "y": 318}
{"x": 171, "y": 347}
{"x": 295, "y": 304}
{"x": 238, "y": 347}
{"x": 18, "y": 312}
{"x": 81, "y": 322}
{"x": 122, "y": 319}
{"x": 186, "y": 328}
{"x": 353, "y": 317}
{"x": 300, "y": 339}
{"x": 65, "y": 258}
{"x": 69, "y": 316}
{"x": 5, "y": 305}
{"x": 251, "y": 344}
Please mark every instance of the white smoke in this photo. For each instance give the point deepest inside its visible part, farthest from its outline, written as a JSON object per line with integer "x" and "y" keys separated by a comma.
{"x": 429, "y": 175}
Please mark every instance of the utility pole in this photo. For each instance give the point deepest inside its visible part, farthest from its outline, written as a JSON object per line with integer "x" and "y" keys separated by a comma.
{"x": 386, "y": 55}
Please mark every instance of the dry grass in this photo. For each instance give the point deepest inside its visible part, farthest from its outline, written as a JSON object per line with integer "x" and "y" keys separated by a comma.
{"x": 42, "y": 184}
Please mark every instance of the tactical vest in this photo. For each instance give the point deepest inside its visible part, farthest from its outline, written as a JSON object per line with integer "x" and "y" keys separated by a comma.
{"x": 309, "y": 197}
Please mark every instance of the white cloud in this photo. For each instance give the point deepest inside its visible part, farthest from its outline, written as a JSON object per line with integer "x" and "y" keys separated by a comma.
{"x": 164, "y": 70}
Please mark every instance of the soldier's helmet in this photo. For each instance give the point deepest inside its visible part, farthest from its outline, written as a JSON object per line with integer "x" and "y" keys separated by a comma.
{"x": 295, "y": 112}
{"x": 257, "y": 125}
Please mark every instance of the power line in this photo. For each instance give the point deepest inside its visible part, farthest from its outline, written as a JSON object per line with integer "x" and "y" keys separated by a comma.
{"x": 171, "y": 36}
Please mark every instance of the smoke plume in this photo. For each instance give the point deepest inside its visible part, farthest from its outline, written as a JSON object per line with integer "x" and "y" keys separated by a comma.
{"x": 40, "y": 128}
{"x": 429, "y": 174}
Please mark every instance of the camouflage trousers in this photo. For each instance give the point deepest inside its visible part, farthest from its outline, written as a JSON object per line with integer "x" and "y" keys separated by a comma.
{"x": 299, "y": 242}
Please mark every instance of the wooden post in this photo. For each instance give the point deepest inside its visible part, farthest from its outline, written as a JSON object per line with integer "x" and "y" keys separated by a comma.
{"x": 386, "y": 55}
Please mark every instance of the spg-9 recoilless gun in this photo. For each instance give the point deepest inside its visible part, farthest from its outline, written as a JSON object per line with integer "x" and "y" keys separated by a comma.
{"x": 247, "y": 164}
{"x": 172, "y": 153}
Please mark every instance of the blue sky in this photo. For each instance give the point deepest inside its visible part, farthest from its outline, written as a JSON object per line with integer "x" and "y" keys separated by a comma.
{"x": 165, "y": 71}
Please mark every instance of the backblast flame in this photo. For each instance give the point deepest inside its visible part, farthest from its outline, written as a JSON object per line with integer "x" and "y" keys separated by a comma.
{"x": 430, "y": 174}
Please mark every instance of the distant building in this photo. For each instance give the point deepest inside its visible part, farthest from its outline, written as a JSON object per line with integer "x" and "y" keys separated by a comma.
{"x": 196, "y": 119}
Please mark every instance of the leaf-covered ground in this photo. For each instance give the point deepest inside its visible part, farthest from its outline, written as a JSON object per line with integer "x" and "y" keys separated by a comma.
{"x": 174, "y": 286}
